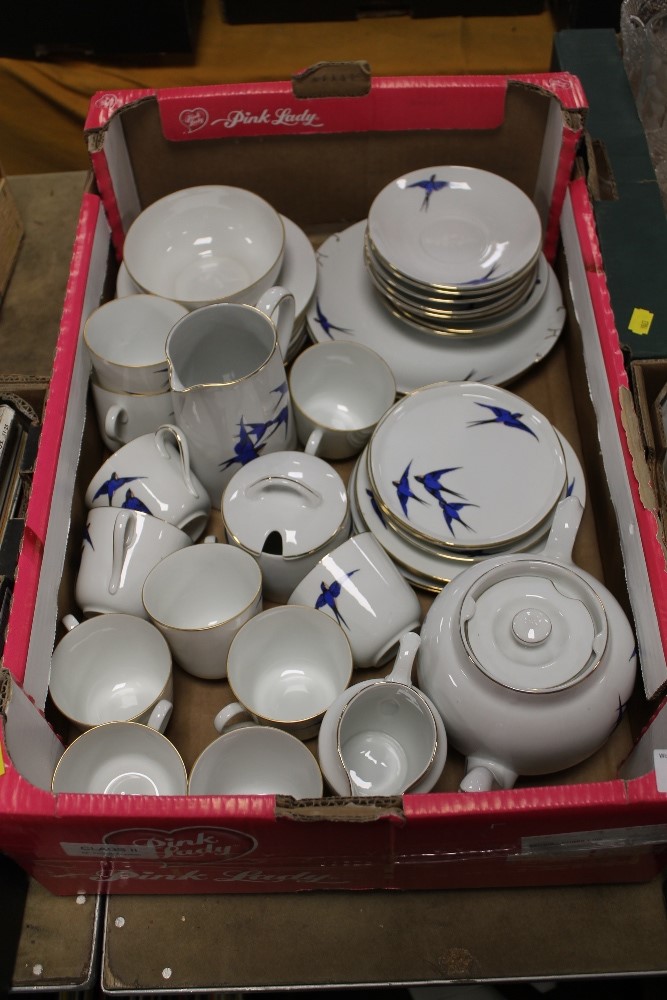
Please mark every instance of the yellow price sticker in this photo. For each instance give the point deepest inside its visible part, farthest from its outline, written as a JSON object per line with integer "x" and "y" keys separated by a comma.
{"x": 640, "y": 321}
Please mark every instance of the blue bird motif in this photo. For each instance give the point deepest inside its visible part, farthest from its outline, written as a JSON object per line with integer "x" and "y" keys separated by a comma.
{"x": 326, "y": 324}
{"x": 87, "y": 538}
{"x": 132, "y": 502}
{"x": 329, "y": 595}
{"x": 280, "y": 391}
{"x": 404, "y": 491}
{"x": 620, "y": 711}
{"x": 451, "y": 513}
{"x": 570, "y": 488}
{"x": 431, "y": 482}
{"x": 429, "y": 186}
{"x": 505, "y": 417}
{"x": 484, "y": 278}
{"x": 113, "y": 483}
{"x": 376, "y": 506}
{"x": 245, "y": 449}
{"x": 281, "y": 420}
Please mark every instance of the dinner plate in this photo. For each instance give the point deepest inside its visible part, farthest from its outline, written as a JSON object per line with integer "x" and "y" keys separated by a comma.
{"x": 432, "y": 571}
{"x": 455, "y": 226}
{"x": 346, "y": 305}
{"x": 466, "y": 466}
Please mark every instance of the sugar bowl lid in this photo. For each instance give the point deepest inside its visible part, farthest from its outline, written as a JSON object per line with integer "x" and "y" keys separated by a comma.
{"x": 297, "y": 500}
{"x": 533, "y": 626}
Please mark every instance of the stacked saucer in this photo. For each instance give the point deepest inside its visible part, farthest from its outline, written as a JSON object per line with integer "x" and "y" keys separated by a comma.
{"x": 454, "y": 250}
{"x": 458, "y": 471}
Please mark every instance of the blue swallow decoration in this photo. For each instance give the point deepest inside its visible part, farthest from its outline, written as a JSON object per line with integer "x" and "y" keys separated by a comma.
{"x": 327, "y": 325}
{"x": 132, "y": 502}
{"x": 484, "y": 278}
{"x": 280, "y": 391}
{"x": 376, "y": 506}
{"x": 329, "y": 595}
{"x": 87, "y": 538}
{"x": 113, "y": 483}
{"x": 570, "y": 488}
{"x": 450, "y": 512}
{"x": 431, "y": 482}
{"x": 505, "y": 417}
{"x": 245, "y": 449}
{"x": 404, "y": 491}
{"x": 429, "y": 186}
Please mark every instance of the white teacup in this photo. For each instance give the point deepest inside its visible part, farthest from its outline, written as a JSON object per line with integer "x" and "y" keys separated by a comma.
{"x": 123, "y": 416}
{"x": 199, "y": 598}
{"x": 119, "y": 549}
{"x": 112, "y": 668}
{"x": 256, "y": 760}
{"x": 285, "y": 667}
{"x": 339, "y": 392}
{"x": 153, "y": 474}
{"x": 359, "y": 586}
{"x": 126, "y": 339}
{"x": 121, "y": 758}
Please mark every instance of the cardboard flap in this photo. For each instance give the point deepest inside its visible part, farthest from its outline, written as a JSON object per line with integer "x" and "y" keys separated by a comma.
{"x": 333, "y": 79}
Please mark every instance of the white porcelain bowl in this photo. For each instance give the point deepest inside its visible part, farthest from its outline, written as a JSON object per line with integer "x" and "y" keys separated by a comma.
{"x": 204, "y": 244}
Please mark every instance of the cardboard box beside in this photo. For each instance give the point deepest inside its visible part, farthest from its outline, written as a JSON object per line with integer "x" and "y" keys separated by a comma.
{"x": 11, "y": 234}
{"x": 320, "y": 160}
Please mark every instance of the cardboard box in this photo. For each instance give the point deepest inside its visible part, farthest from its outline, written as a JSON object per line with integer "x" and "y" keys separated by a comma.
{"x": 11, "y": 234}
{"x": 320, "y": 160}
{"x": 629, "y": 212}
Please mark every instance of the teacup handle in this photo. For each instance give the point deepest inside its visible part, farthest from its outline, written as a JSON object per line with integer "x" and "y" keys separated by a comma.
{"x": 160, "y": 716}
{"x": 281, "y": 300}
{"x": 70, "y": 622}
{"x": 183, "y": 449}
{"x": 228, "y": 714}
{"x": 124, "y": 533}
{"x": 314, "y": 441}
{"x": 113, "y": 418}
{"x": 407, "y": 650}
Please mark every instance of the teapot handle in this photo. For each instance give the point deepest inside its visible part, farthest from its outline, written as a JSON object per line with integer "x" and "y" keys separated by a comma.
{"x": 564, "y": 527}
{"x": 183, "y": 450}
{"x": 280, "y": 300}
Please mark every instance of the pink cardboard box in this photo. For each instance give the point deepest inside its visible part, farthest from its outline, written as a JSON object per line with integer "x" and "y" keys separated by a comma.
{"x": 319, "y": 159}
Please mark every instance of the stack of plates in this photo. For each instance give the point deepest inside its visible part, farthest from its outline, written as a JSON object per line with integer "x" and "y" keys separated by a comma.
{"x": 458, "y": 471}
{"x": 452, "y": 249}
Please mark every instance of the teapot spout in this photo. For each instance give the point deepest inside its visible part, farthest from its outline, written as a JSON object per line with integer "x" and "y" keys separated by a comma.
{"x": 486, "y": 776}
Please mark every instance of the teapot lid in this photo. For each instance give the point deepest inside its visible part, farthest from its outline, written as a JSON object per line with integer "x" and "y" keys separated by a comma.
{"x": 298, "y": 499}
{"x": 533, "y": 626}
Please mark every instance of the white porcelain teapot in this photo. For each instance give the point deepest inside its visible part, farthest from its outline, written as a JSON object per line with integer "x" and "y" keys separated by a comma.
{"x": 529, "y": 659}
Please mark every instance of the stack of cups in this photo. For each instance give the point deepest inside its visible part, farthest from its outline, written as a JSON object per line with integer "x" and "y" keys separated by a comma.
{"x": 125, "y": 339}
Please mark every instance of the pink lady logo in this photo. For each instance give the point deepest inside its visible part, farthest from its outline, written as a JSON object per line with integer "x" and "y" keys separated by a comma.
{"x": 108, "y": 102}
{"x": 200, "y": 843}
{"x": 195, "y": 119}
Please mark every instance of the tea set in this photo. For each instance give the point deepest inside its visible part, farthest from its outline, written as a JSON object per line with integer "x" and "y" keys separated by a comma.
{"x": 214, "y": 411}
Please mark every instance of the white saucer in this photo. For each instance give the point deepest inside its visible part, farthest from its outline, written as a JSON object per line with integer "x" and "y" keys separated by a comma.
{"x": 431, "y": 571}
{"x": 466, "y": 466}
{"x": 346, "y": 305}
{"x": 453, "y": 226}
{"x": 298, "y": 273}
